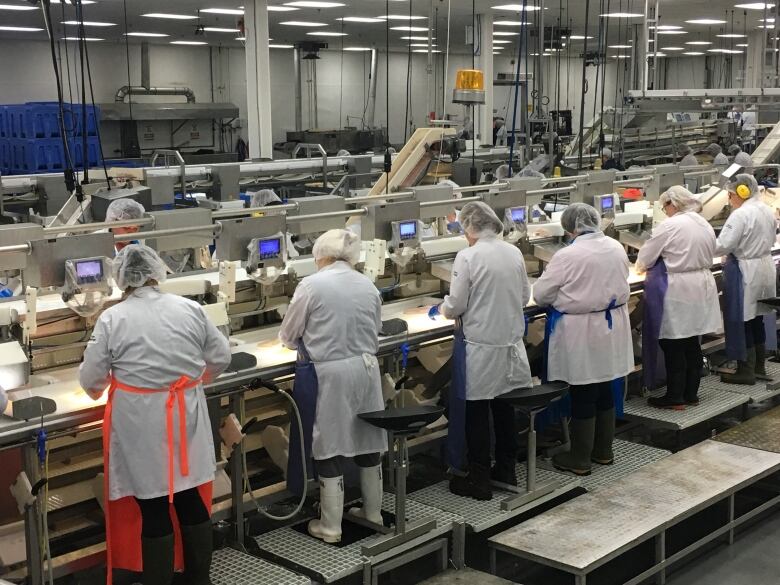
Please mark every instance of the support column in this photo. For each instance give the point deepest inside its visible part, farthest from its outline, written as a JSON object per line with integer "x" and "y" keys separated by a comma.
{"x": 483, "y": 127}
{"x": 258, "y": 74}
{"x": 754, "y": 61}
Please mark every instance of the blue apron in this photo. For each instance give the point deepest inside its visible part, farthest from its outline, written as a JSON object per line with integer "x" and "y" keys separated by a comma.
{"x": 733, "y": 310}
{"x": 653, "y": 367}
{"x": 305, "y": 391}
{"x": 456, "y": 433}
{"x": 770, "y": 327}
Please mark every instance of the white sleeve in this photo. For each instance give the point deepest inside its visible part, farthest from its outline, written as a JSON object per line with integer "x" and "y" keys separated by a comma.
{"x": 295, "y": 318}
{"x": 731, "y": 234}
{"x": 652, "y": 249}
{"x": 457, "y": 301}
{"x": 95, "y": 370}
{"x": 216, "y": 350}
{"x": 547, "y": 287}
{"x": 526, "y": 283}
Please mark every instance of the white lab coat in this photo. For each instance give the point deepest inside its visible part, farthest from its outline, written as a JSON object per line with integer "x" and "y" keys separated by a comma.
{"x": 150, "y": 340}
{"x": 489, "y": 290}
{"x": 689, "y": 161}
{"x": 580, "y": 281}
{"x": 337, "y": 312}
{"x": 686, "y": 242}
{"x": 749, "y": 234}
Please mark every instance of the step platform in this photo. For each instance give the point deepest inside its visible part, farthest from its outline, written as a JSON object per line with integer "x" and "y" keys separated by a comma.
{"x": 583, "y": 534}
{"x": 716, "y": 398}
{"x": 232, "y": 567}
{"x": 480, "y": 516}
{"x": 465, "y": 577}
{"x": 760, "y": 391}
{"x": 629, "y": 457}
{"x": 761, "y": 432}
{"x": 327, "y": 563}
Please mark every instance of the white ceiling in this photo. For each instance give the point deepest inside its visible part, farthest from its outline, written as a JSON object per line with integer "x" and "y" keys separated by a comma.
{"x": 673, "y": 12}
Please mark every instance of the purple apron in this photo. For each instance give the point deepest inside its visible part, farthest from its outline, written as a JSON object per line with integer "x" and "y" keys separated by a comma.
{"x": 734, "y": 311}
{"x": 653, "y": 367}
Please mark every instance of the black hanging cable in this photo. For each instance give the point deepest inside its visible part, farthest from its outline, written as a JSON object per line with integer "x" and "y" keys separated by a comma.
{"x": 584, "y": 81}
{"x": 408, "y": 77}
{"x": 82, "y": 40}
{"x": 341, "y": 83}
{"x": 127, "y": 58}
{"x": 517, "y": 90}
{"x": 598, "y": 58}
{"x": 473, "y": 171}
{"x": 67, "y": 55}
{"x": 69, "y": 174}
{"x": 605, "y": 42}
{"x": 388, "y": 156}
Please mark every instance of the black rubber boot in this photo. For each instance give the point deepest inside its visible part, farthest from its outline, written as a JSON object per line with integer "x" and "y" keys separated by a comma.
{"x": 157, "y": 555}
{"x": 475, "y": 485}
{"x": 198, "y": 544}
{"x": 604, "y": 436}
{"x": 504, "y": 472}
{"x": 675, "y": 389}
{"x": 577, "y": 459}
{"x": 760, "y": 368}
{"x": 746, "y": 371}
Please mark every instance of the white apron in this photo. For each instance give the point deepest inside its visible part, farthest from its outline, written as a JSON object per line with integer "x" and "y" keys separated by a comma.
{"x": 485, "y": 363}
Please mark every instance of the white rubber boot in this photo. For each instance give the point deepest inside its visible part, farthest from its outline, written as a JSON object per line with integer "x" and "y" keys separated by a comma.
{"x": 328, "y": 527}
{"x": 371, "y": 489}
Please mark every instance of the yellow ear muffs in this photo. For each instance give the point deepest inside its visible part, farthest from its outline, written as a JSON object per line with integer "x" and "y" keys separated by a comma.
{"x": 743, "y": 191}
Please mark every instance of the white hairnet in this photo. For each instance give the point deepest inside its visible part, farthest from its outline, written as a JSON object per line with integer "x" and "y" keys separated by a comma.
{"x": 136, "y": 264}
{"x": 264, "y": 197}
{"x": 606, "y": 152}
{"x": 748, "y": 181}
{"x": 479, "y": 220}
{"x": 343, "y": 152}
{"x": 734, "y": 149}
{"x": 529, "y": 172}
{"x": 743, "y": 159}
{"x": 339, "y": 245}
{"x": 684, "y": 150}
{"x": 714, "y": 149}
{"x": 122, "y": 209}
{"x": 581, "y": 218}
{"x": 681, "y": 198}
{"x": 502, "y": 172}
{"x": 449, "y": 182}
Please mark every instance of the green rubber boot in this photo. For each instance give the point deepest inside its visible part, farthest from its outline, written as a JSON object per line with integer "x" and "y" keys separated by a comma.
{"x": 746, "y": 371}
{"x": 604, "y": 436}
{"x": 157, "y": 555}
{"x": 577, "y": 460}
{"x": 761, "y": 361}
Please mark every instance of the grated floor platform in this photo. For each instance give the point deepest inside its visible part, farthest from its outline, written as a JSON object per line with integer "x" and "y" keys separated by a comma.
{"x": 629, "y": 457}
{"x": 762, "y": 390}
{"x": 715, "y": 398}
{"x": 232, "y": 567}
{"x": 327, "y": 563}
{"x": 761, "y": 432}
{"x": 481, "y": 516}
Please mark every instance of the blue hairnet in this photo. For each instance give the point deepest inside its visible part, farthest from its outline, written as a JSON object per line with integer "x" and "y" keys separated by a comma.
{"x": 581, "y": 218}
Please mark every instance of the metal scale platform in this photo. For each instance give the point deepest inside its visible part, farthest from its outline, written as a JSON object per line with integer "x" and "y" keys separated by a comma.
{"x": 480, "y": 516}
{"x": 327, "y": 563}
{"x": 629, "y": 457}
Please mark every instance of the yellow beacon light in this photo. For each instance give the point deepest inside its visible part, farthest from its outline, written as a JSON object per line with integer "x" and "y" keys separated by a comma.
{"x": 469, "y": 87}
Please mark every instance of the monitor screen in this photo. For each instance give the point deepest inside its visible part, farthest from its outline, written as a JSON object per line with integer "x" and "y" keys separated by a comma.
{"x": 89, "y": 271}
{"x": 607, "y": 203}
{"x": 518, "y": 215}
{"x": 270, "y": 248}
{"x": 408, "y": 230}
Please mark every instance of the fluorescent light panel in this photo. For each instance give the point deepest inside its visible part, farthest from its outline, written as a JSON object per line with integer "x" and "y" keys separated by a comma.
{"x": 365, "y": 19}
{"x": 223, "y": 30}
{"x": 516, "y": 7}
{"x": 326, "y": 33}
{"x": 146, "y": 34}
{"x": 236, "y": 11}
{"x": 409, "y": 28}
{"x": 314, "y": 4}
{"x": 20, "y": 28}
{"x": 88, "y": 23}
{"x": 170, "y": 16}
{"x": 189, "y": 43}
{"x": 17, "y": 7}
{"x": 78, "y": 39}
{"x": 705, "y": 21}
{"x": 302, "y": 23}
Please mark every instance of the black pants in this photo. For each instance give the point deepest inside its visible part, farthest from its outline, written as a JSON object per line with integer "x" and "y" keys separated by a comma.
{"x": 156, "y": 517}
{"x": 683, "y": 359}
{"x": 478, "y": 432}
{"x": 334, "y": 467}
{"x": 589, "y": 399}
{"x": 755, "y": 334}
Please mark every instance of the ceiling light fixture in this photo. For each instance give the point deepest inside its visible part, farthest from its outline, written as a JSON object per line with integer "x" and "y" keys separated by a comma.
{"x": 18, "y": 7}
{"x": 754, "y": 6}
{"x": 88, "y": 23}
{"x": 20, "y": 28}
{"x": 705, "y": 21}
{"x": 222, "y": 30}
{"x": 302, "y": 23}
{"x": 620, "y": 47}
{"x": 314, "y": 4}
{"x": 510, "y": 23}
{"x": 170, "y": 16}
{"x": 425, "y": 51}
{"x": 401, "y": 17}
{"x": 235, "y": 11}
{"x": 621, "y": 15}
{"x": 357, "y": 48}
{"x": 672, "y": 32}
{"x": 78, "y": 39}
{"x": 417, "y": 38}
{"x": 516, "y": 7}
{"x": 281, "y": 9}
{"x": 731, "y": 36}
{"x": 281, "y": 47}
{"x": 505, "y": 33}
{"x": 693, "y": 53}
{"x": 702, "y": 43}
{"x": 326, "y": 33}
{"x": 189, "y": 43}
{"x": 409, "y": 28}
{"x": 365, "y": 19}
{"x": 145, "y": 34}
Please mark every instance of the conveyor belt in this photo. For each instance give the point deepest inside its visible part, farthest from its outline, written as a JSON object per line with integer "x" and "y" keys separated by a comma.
{"x": 231, "y": 567}
{"x": 328, "y": 563}
{"x": 629, "y": 457}
{"x": 761, "y": 432}
{"x": 481, "y": 516}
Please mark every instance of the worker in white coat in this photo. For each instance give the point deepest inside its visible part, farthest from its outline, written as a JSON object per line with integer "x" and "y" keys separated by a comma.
{"x": 333, "y": 321}
{"x": 124, "y": 210}
{"x": 681, "y": 298}
{"x": 488, "y": 293}
{"x": 749, "y": 276}
{"x": 687, "y": 158}
{"x": 269, "y": 198}
{"x": 154, "y": 351}
{"x": 588, "y": 333}
{"x": 718, "y": 158}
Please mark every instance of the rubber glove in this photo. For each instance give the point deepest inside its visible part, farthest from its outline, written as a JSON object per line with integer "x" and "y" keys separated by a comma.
{"x": 6, "y": 293}
{"x": 434, "y": 311}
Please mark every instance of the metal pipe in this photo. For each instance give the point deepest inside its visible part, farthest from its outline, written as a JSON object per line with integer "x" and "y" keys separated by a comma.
{"x": 250, "y": 210}
{"x": 372, "y": 82}
{"x": 563, "y": 179}
{"x": 328, "y": 214}
{"x": 388, "y": 196}
{"x": 92, "y": 227}
{"x": 633, "y": 181}
{"x": 453, "y": 201}
{"x": 16, "y": 248}
{"x": 298, "y": 90}
{"x": 552, "y": 191}
{"x": 699, "y": 173}
{"x": 169, "y": 232}
{"x": 127, "y": 90}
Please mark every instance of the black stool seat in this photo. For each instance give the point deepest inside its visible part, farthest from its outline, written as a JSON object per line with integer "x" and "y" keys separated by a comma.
{"x": 772, "y": 302}
{"x": 536, "y": 397}
{"x": 403, "y": 421}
